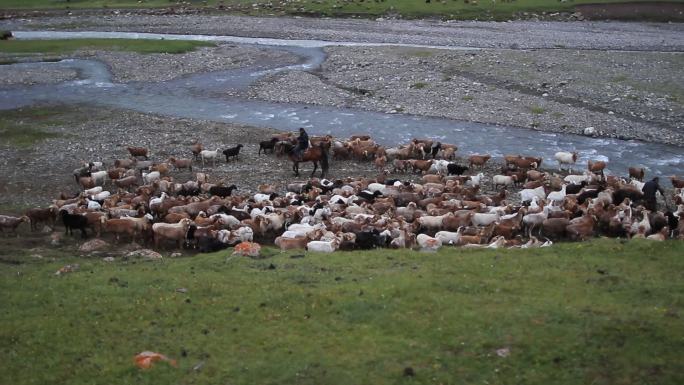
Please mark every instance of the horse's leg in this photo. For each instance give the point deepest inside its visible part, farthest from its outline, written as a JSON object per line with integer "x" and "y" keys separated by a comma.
{"x": 315, "y": 168}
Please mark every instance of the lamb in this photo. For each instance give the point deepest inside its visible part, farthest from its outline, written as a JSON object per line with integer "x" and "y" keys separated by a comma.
{"x": 232, "y": 152}
{"x": 10, "y": 222}
{"x": 564, "y": 157}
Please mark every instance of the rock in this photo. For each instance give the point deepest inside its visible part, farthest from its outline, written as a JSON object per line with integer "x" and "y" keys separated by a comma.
{"x": 108, "y": 259}
{"x": 590, "y": 131}
{"x": 93, "y": 245}
{"x": 147, "y": 254}
{"x": 176, "y": 255}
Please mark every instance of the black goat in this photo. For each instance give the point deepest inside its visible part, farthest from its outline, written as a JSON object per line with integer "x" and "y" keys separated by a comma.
{"x": 455, "y": 169}
{"x": 232, "y": 152}
{"x": 572, "y": 188}
{"x": 74, "y": 221}
{"x": 268, "y": 145}
{"x": 222, "y": 191}
{"x": 367, "y": 239}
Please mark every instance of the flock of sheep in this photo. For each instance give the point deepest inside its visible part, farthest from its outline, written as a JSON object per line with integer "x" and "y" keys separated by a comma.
{"x": 140, "y": 200}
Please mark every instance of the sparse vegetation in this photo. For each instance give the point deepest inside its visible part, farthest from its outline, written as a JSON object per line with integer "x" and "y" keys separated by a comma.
{"x": 69, "y": 45}
{"x": 419, "y": 85}
{"x": 25, "y": 127}
{"x": 467, "y": 98}
{"x": 537, "y": 110}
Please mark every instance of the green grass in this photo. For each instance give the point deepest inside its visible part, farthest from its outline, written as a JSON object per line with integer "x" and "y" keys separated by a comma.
{"x": 25, "y": 127}
{"x": 604, "y": 312}
{"x": 448, "y": 9}
{"x": 419, "y": 85}
{"x": 69, "y": 45}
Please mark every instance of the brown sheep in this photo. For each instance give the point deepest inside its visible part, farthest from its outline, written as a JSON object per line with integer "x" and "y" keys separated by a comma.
{"x": 138, "y": 151}
{"x": 478, "y": 160}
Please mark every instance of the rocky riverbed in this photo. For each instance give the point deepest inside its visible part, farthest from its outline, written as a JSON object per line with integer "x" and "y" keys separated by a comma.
{"x": 559, "y": 77}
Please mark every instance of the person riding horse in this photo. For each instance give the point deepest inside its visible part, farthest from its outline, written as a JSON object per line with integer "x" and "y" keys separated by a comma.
{"x": 302, "y": 144}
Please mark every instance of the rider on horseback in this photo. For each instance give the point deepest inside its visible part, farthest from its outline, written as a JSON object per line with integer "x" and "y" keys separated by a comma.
{"x": 302, "y": 144}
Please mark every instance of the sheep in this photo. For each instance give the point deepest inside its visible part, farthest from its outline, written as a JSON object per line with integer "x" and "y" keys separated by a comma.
{"x": 526, "y": 195}
{"x": 138, "y": 151}
{"x": 209, "y": 155}
{"x": 564, "y": 157}
{"x": 475, "y": 180}
{"x": 637, "y": 173}
{"x": 222, "y": 191}
{"x": 557, "y": 196}
{"x": 504, "y": 180}
{"x": 232, "y": 152}
{"x": 478, "y": 160}
{"x": 10, "y": 222}
{"x": 450, "y": 237}
{"x": 74, "y": 221}
{"x": 196, "y": 149}
{"x": 428, "y": 243}
{"x": 99, "y": 177}
{"x": 323, "y": 246}
{"x": 677, "y": 182}
{"x": 596, "y": 167}
{"x": 577, "y": 179}
{"x": 180, "y": 163}
{"x": 267, "y": 145}
{"x": 175, "y": 232}
{"x": 37, "y": 215}
{"x": 151, "y": 176}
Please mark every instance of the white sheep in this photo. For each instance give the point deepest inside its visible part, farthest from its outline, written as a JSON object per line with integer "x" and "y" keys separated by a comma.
{"x": 475, "y": 180}
{"x": 323, "y": 246}
{"x": 428, "y": 243}
{"x": 504, "y": 180}
{"x": 557, "y": 196}
{"x": 564, "y": 157}
{"x": 526, "y": 195}
{"x": 151, "y": 177}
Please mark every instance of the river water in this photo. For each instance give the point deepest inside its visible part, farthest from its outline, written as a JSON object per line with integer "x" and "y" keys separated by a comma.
{"x": 186, "y": 97}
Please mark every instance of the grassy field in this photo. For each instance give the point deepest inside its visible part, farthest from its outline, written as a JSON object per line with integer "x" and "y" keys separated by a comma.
{"x": 605, "y": 312}
{"x": 56, "y": 47}
{"x": 453, "y": 9}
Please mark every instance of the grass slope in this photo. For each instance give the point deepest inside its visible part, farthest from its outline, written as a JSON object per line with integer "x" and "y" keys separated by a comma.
{"x": 452, "y": 9}
{"x": 69, "y": 45}
{"x": 604, "y": 312}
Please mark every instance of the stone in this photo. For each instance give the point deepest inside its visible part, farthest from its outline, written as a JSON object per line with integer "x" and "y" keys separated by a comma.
{"x": 108, "y": 259}
{"x": 147, "y": 254}
{"x": 93, "y": 245}
{"x": 590, "y": 131}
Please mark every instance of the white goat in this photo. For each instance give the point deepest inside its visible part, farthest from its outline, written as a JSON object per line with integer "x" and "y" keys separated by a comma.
{"x": 564, "y": 157}
{"x": 209, "y": 155}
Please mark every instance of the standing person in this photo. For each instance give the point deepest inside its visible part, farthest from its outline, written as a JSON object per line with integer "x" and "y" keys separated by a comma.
{"x": 650, "y": 188}
{"x": 302, "y": 143}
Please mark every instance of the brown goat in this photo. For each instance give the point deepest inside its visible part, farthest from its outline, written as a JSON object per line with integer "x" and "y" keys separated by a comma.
{"x": 137, "y": 151}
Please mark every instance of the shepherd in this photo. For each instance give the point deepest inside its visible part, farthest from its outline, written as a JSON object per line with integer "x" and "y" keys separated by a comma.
{"x": 302, "y": 144}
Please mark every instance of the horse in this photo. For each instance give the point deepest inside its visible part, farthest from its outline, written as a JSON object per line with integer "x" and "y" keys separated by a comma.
{"x": 312, "y": 154}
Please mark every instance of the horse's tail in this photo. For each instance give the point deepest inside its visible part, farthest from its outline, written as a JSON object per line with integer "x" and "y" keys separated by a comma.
{"x": 324, "y": 157}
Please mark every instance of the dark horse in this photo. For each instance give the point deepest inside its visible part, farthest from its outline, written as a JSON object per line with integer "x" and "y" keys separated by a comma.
{"x": 312, "y": 154}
